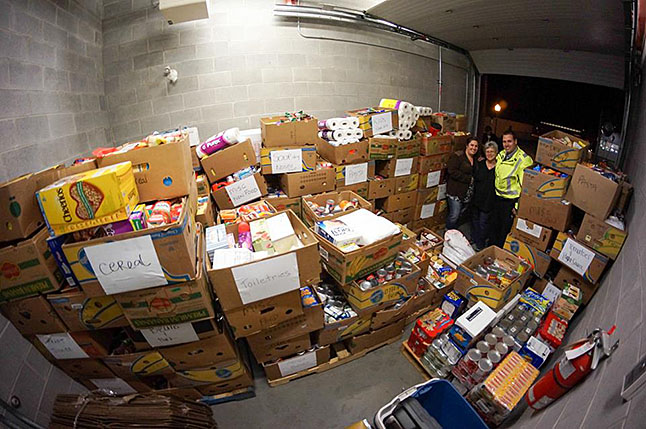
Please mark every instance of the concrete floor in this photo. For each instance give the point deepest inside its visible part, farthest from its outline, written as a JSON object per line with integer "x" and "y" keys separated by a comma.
{"x": 332, "y": 399}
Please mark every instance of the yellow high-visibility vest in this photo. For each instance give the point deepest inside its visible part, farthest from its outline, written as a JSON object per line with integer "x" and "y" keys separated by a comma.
{"x": 509, "y": 173}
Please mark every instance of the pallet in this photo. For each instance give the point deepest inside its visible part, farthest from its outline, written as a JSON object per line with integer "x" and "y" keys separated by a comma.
{"x": 415, "y": 361}
{"x": 343, "y": 356}
{"x": 236, "y": 395}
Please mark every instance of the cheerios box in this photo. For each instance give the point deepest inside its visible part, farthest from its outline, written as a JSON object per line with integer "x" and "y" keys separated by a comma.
{"x": 88, "y": 199}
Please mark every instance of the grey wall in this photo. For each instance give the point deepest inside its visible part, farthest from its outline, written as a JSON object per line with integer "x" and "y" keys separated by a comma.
{"x": 243, "y": 63}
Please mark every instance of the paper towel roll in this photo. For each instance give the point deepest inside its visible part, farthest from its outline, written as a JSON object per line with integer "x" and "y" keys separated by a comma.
{"x": 354, "y": 121}
{"x": 408, "y": 134}
{"x": 329, "y": 124}
{"x": 332, "y": 134}
{"x": 344, "y": 123}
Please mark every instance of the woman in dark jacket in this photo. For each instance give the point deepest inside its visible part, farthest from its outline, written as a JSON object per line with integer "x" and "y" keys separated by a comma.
{"x": 460, "y": 181}
{"x": 484, "y": 196}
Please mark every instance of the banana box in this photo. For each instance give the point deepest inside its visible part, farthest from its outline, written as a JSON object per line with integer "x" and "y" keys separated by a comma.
{"x": 360, "y": 189}
{"x": 28, "y": 268}
{"x": 539, "y": 261}
{"x": 137, "y": 365}
{"x": 406, "y": 183}
{"x": 382, "y": 118}
{"x": 285, "y": 203}
{"x": 85, "y": 368}
{"x": 375, "y": 338}
{"x": 343, "y": 329}
{"x": 553, "y": 153}
{"x": 217, "y": 373}
{"x": 546, "y": 186}
{"x": 297, "y": 364}
{"x": 82, "y": 313}
{"x": 586, "y": 262}
{"x": 88, "y": 199}
{"x": 287, "y": 159}
{"x": 348, "y": 175}
{"x": 200, "y": 354}
{"x": 228, "y": 385}
{"x": 601, "y": 236}
{"x": 379, "y": 297}
{"x": 32, "y": 316}
{"x": 310, "y": 217}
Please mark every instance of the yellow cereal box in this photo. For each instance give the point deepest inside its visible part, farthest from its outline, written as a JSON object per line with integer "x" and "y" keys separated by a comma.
{"x": 89, "y": 199}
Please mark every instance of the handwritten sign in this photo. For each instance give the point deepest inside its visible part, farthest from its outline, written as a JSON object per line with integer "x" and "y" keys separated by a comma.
{"x": 427, "y": 211}
{"x": 115, "y": 385}
{"x": 382, "y": 123}
{"x": 433, "y": 178}
{"x": 297, "y": 364}
{"x": 356, "y": 173}
{"x": 441, "y": 191}
{"x": 266, "y": 278}
{"x": 403, "y": 167}
{"x": 535, "y": 231}
{"x": 286, "y": 161}
{"x": 243, "y": 191}
{"x": 126, "y": 265}
{"x": 576, "y": 256}
{"x": 169, "y": 335}
{"x": 62, "y": 346}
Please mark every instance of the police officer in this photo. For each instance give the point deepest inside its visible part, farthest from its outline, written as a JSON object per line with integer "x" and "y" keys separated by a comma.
{"x": 510, "y": 165}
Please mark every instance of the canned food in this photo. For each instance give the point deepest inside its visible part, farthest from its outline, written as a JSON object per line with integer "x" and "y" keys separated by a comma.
{"x": 365, "y": 285}
{"x": 522, "y": 337}
{"x": 513, "y": 331}
{"x": 482, "y": 347}
{"x": 509, "y": 341}
{"x": 491, "y": 340}
{"x": 502, "y": 348}
{"x": 484, "y": 367}
{"x": 494, "y": 357}
{"x": 471, "y": 360}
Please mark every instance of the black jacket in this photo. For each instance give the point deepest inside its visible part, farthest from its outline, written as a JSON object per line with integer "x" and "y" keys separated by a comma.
{"x": 460, "y": 173}
{"x": 484, "y": 192}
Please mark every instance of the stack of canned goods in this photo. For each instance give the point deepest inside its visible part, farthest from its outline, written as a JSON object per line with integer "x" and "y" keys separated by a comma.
{"x": 335, "y": 306}
{"x": 441, "y": 356}
{"x": 331, "y": 207}
{"x": 520, "y": 323}
{"x": 479, "y": 361}
{"x": 399, "y": 268}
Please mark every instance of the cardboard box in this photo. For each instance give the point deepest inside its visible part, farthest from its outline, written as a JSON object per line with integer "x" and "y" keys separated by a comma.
{"x": 221, "y": 372}
{"x": 435, "y": 145}
{"x": 29, "y": 268}
{"x": 583, "y": 260}
{"x": 203, "y": 187}
{"x": 432, "y": 163}
{"x": 117, "y": 385}
{"x": 230, "y": 385}
{"x": 297, "y": 133}
{"x": 229, "y": 160}
{"x": 174, "y": 246}
{"x": 554, "y": 214}
{"x": 135, "y": 365}
{"x": 284, "y": 159}
{"x": 408, "y": 148}
{"x": 398, "y": 167}
{"x": 205, "y": 214}
{"x": 309, "y": 271}
{"x": 73, "y": 345}
{"x": 272, "y": 350}
{"x": 344, "y": 154}
{"x": 429, "y": 210}
{"x": 559, "y": 156}
{"x": 539, "y": 261}
{"x": 460, "y": 141}
{"x": 88, "y": 199}
{"x": 308, "y": 182}
{"x": 32, "y": 316}
{"x": 200, "y": 354}
{"x": 374, "y": 338}
{"x": 360, "y": 189}
{"x": 385, "y": 120}
{"x": 537, "y": 236}
{"x": 544, "y": 185}
{"x": 310, "y": 218}
{"x": 461, "y": 122}
{"x": 20, "y": 215}
{"x": 381, "y": 188}
{"x": 432, "y": 179}
{"x": 446, "y": 122}
{"x": 601, "y": 237}
{"x": 406, "y": 183}
{"x": 400, "y": 201}
{"x": 428, "y": 195}
{"x": 167, "y": 335}
{"x": 381, "y": 148}
{"x": 380, "y": 296}
{"x": 476, "y": 288}
{"x": 286, "y": 203}
{"x": 55, "y": 245}
{"x": 82, "y": 313}
{"x": 354, "y": 174}
{"x": 567, "y": 276}
{"x": 161, "y": 172}
{"x": 593, "y": 193}
{"x": 400, "y": 216}
{"x": 286, "y": 367}
{"x": 241, "y": 192}
{"x": 85, "y": 368}
{"x": 335, "y": 332}
{"x": 389, "y": 315}
{"x": 185, "y": 394}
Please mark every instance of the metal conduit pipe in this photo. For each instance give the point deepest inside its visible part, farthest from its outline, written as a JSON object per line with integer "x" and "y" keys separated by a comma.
{"x": 439, "y": 80}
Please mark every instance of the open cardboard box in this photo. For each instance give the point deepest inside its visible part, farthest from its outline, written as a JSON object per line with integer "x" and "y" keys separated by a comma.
{"x": 374, "y": 338}
{"x": 400, "y": 201}
{"x": 554, "y": 214}
{"x": 539, "y": 261}
{"x": 407, "y": 183}
{"x": 167, "y": 335}
{"x": 29, "y": 268}
{"x": 566, "y": 276}
{"x": 544, "y": 185}
{"x": 33, "y": 316}
{"x": 476, "y": 288}
{"x": 174, "y": 250}
{"x": 435, "y": 249}
{"x": 275, "y": 349}
{"x": 286, "y": 203}
{"x": 346, "y": 328}
{"x": 434, "y": 145}
{"x": 161, "y": 172}
{"x": 381, "y": 188}
{"x": 308, "y": 182}
{"x": 343, "y": 154}
{"x": 354, "y": 174}
{"x": 602, "y": 237}
{"x": 241, "y": 192}
{"x": 558, "y": 156}
{"x": 262, "y": 279}
{"x": 296, "y": 133}
{"x": 366, "y": 118}
{"x": 400, "y": 167}
{"x": 310, "y": 218}
{"x": 590, "y": 267}
{"x": 532, "y": 233}
{"x": 229, "y": 160}
{"x": 133, "y": 366}
{"x": 592, "y": 192}
{"x": 82, "y": 313}
{"x": 284, "y": 159}
{"x": 360, "y": 189}
{"x": 200, "y": 354}
{"x": 447, "y": 122}
{"x": 389, "y": 315}
{"x": 297, "y": 364}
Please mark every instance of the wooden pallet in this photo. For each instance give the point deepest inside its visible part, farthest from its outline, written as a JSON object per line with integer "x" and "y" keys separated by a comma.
{"x": 236, "y": 395}
{"x": 343, "y": 356}
{"x": 415, "y": 361}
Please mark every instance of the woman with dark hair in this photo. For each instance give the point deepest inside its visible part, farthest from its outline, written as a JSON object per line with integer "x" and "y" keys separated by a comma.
{"x": 484, "y": 196}
{"x": 459, "y": 185}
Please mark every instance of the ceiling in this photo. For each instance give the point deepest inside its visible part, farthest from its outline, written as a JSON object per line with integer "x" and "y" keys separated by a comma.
{"x": 582, "y": 25}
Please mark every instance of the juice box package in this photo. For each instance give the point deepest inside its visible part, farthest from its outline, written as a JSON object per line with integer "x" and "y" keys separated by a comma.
{"x": 88, "y": 199}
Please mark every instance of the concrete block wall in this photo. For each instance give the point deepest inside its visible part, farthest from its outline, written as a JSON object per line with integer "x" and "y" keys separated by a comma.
{"x": 243, "y": 63}
{"x": 51, "y": 83}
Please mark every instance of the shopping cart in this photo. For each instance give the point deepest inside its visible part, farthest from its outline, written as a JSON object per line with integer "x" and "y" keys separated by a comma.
{"x": 438, "y": 399}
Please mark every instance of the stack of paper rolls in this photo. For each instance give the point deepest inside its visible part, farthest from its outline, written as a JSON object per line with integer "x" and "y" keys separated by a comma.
{"x": 340, "y": 131}
{"x": 408, "y": 116}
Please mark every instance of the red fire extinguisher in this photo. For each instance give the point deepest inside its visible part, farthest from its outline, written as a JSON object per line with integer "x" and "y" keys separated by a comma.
{"x": 581, "y": 359}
